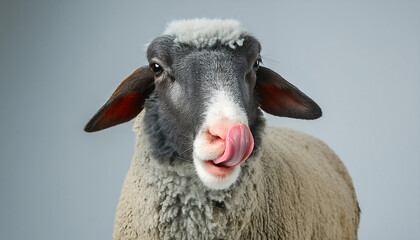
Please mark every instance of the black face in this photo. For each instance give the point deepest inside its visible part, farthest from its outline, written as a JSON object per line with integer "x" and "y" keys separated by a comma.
{"x": 186, "y": 79}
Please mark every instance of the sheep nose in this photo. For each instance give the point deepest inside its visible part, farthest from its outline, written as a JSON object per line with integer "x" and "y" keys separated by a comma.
{"x": 238, "y": 142}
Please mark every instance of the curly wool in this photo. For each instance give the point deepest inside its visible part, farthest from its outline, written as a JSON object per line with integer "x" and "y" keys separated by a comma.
{"x": 202, "y": 32}
{"x": 295, "y": 187}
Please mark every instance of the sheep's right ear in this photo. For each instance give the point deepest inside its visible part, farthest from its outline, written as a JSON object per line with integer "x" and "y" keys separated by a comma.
{"x": 126, "y": 102}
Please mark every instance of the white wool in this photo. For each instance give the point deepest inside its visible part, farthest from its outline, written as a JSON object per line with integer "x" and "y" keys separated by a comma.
{"x": 203, "y": 32}
{"x": 295, "y": 187}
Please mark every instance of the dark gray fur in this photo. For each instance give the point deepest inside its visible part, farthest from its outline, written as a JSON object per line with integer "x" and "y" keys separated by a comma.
{"x": 171, "y": 126}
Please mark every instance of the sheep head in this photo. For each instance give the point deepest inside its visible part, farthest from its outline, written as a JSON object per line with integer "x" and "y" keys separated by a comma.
{"x": 203, "y": 90}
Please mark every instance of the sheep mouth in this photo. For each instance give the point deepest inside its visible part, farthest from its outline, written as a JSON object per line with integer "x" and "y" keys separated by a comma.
{"x": 218, "y": 170}
{"x": 239, "y": 144}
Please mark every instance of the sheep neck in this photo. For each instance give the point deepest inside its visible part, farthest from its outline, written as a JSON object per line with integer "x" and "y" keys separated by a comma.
{"x": 181, "y": 204}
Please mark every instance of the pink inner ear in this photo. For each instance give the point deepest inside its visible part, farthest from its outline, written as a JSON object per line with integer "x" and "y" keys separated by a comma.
{"x": 275, "y": 99}
{"x": 122, "y": 110}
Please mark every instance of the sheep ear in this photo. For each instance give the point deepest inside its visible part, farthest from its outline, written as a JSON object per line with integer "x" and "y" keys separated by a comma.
{"x": 126, "y": 102}
{"x": 281, "y": 98}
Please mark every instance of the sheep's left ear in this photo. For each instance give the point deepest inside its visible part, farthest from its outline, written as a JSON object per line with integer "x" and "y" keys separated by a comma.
{"x": 281, "y": 98}
{"x": 126, "y": 102}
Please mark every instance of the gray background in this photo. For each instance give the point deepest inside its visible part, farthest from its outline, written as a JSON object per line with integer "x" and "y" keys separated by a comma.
{"x": 60, "y": 61}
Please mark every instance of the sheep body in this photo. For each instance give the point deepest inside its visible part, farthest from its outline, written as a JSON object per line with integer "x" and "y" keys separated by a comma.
{"x": 294, "y": 187}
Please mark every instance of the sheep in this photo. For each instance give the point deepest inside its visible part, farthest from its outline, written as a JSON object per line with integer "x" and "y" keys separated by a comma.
{"x": 205, "y": 165}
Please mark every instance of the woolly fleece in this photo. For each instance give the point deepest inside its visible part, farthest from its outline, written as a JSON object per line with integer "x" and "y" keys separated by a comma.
{"x": 204, "y": 32}
{"x": 295, "y": 187}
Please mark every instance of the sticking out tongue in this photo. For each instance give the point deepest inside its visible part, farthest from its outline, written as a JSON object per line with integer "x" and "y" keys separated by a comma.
{"x": 238, "y": 146}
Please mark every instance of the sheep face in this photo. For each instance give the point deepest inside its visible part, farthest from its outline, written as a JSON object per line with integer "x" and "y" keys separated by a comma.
{"x": 203, "y": 98}
{"x": 207, "y": 97}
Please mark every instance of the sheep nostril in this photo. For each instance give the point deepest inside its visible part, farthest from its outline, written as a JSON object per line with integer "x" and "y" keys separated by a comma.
{"x": 220, "y": 129}
{"x": 213, "y": 138}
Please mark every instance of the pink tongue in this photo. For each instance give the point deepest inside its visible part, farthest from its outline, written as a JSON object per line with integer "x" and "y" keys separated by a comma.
{"x": 238, "y": 146}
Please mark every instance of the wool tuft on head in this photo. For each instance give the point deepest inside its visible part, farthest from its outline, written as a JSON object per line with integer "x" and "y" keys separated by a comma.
{"x": 205, "y": 32}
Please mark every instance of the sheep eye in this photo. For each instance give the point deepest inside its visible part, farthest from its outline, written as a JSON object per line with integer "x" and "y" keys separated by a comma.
{"x": 157, "y": 69}
{"x": 256, "y": 65}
